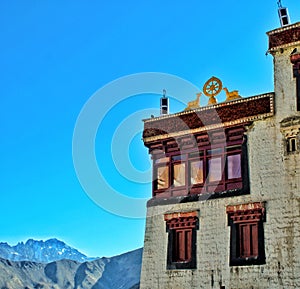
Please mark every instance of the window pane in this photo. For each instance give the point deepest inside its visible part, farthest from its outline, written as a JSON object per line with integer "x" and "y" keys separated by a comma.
{"x": 214, "y": 169}
{"x": 162, "y": 160}
{"x": 233, "y": 148}
{"x": 179, "y": 158}
{"x": 215, "y": 151}
{"x": 196, "y": 154}
{"x": 196, "y": 172}
{"x": 179, "y": 175}
{"x": 162, "y": 177}
{"x": 234, "y": 166}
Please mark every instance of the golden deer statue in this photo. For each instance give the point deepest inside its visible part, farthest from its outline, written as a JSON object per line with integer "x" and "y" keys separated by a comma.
{"x": 194, "y": 103}
{"x": 230, "y": 95}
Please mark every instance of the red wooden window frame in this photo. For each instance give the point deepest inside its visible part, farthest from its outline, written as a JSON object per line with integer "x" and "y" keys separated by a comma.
{"x": 181, "y": 230}
{"x": 205, "y": 155}
{"x": 246, "y": 236}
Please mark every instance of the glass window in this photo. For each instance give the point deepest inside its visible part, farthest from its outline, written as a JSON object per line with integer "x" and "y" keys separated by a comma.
{"x": 216, "y": 151}
{"x": 178, "y": 175}
{"x": 196, "y": 172}
{"x": 196, "y": 154}
{"x": 234, "y": 166}
{"x": 214, "y": 169}
{"x": 161, "y": 160}
{"x": 233, "y": 148}
{"x": 201, "y": 168}
{"x": 179, "y": 158}
{"x": 162, "y": 177}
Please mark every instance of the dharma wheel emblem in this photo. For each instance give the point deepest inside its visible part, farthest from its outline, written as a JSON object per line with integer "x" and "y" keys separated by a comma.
{"x": 211, "y": 88}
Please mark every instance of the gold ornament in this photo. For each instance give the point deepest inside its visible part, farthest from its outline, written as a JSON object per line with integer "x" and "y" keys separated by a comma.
{"x": 211, "y": 88}
{"x": 194, "y": 103}
{"x": 231, "y": 95}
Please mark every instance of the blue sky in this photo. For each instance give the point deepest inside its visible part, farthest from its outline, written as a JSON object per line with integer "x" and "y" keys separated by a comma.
{"x": 55, "y": 55}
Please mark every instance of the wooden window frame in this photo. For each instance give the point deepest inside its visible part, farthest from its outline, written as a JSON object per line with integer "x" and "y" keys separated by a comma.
{"x": 181, "y": 252}
{"x": 177, "y": 159}
{"x": 246, "y": 234}
{"x": 188, "y": 156}
{"x": 191, "y": 160}
{"x": 166, "y": 164}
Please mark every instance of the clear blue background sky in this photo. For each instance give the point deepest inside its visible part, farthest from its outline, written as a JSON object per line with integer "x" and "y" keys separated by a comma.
{"x": 55, "y": 54}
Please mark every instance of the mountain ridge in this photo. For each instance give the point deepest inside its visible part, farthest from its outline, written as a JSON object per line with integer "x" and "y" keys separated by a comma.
{"x": 118, "y": 272}
{"x": 42, "y": 251}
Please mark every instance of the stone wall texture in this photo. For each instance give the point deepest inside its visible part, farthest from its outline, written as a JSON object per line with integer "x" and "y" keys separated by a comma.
{"x": 274, "y": 179}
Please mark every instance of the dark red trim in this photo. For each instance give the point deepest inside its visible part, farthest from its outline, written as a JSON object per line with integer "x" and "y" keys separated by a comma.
{"x": 209, "y": 116}
{"x": 284, "y": 37}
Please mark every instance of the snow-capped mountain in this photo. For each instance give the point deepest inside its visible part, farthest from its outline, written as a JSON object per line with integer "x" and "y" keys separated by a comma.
{"x": 41, "y": 251}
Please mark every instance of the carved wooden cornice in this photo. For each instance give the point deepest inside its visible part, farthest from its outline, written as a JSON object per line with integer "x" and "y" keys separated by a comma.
{"x": 209, "y": 118}
{"x": 284, "y": 37}
{"x": 181, "y": 220}
{"x": 244, "y": 207}
{"x": 246, "y": 212}
{"x": 183, "y": 214}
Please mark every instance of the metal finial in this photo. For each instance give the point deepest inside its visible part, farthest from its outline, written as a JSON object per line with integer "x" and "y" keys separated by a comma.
{"x": 283, "y": 14}
{"x": 279, "y": 4}
{"x": 164, "y": 103}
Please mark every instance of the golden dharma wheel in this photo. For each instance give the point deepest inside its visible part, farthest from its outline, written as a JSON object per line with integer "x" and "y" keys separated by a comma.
{"x": 212, "y": 87}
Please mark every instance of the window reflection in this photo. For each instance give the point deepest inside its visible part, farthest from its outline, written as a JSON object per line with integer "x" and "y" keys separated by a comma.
{"x": 161, "y": 160}
{"x": 162, "y": 177}
{"x": 215, "y": 151}
{"x": 234, "y": 166}
{"x": 214, "y": 169}
{"x": 196, "y": 172}
{"x": 179, "y": 158}
{"x": 194, "y": 169}
{"x": 179, "y": 175}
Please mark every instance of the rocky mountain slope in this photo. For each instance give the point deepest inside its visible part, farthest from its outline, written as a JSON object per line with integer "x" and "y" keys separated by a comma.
{"x": 41, "y": 251}
{"x": 119, "y": 272}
